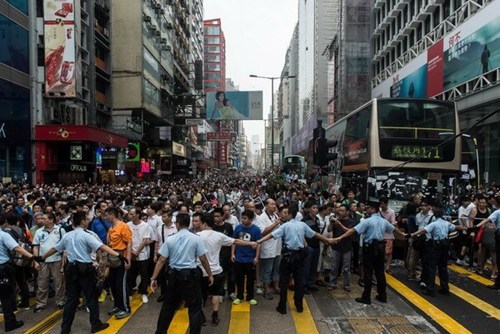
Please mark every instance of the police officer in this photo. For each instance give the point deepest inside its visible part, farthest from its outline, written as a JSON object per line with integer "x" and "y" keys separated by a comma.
{"x": 183, "y": 278}
{"x": 495, "y": 219}
{"x": 79, "y": 272}
{"x": 293, "y": 254}
{"x": 7, "y": 279}
{"x": 438, "y": 250}
{"x": 372, "y": 229}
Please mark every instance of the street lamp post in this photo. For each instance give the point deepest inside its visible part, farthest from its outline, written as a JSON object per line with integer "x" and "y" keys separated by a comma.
{"x": 272, "y": 108}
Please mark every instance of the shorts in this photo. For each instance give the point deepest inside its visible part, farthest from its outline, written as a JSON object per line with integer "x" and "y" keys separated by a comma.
{"x": 389, "y": 245}
{"x": 217, "y": 289}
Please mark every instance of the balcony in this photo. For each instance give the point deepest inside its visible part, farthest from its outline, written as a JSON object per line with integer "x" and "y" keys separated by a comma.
{"x": 100, "y": 63}
{"x": 101, "y": 98}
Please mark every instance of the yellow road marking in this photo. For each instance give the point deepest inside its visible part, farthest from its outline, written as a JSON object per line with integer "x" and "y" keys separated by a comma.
{"x": 470, "y": 275}
{"x": 32, "y": 302}
{"x": 435, "y": 313}
{"x": 304, "y": 322}
{"x": 180, "y": 322}
{"x": 116, "y": 324}
{"x": 46, "y": 324}
{"x": 474, "y": 301}
{"x": 240, "y": 319}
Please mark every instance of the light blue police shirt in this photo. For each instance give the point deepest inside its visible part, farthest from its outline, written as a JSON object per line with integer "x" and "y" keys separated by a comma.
{"x": 439, "y": 229}
{"x": 7, "y": 243}
{"x": 183, "y": 249}
{"x": 373, "y": 228}
{"x": 78, "y": 244}
{"x": 495, "y": 218}
{"x": 293, "y": 233}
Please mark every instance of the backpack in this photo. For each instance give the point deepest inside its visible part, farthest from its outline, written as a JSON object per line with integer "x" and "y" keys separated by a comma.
{"x": 18, "y": 259}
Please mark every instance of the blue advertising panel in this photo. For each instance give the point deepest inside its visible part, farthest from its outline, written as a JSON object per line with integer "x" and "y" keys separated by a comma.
{"x": 236, "y": 105}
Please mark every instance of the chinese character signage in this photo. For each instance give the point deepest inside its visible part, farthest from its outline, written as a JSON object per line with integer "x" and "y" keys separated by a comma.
{"x": 221, "y": 136}
{"x": 60, "y": 55}
{"x": 235, "y": 105}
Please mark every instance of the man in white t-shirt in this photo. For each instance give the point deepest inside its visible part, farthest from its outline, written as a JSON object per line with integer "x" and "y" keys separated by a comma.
{"x": 228, "y": 217}
{"x": 213, "y": 241}
{"x": 270, "y": 252}
{"x": 466, "y": 214}
{"x": 141, "y": 238}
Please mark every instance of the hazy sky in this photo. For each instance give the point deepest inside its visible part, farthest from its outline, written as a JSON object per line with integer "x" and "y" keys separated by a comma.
{"x": 257, "y": 33}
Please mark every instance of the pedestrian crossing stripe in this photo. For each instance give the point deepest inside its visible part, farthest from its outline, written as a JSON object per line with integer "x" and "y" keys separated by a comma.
{"x": 116, "y": 324}
{"x": 240, "y": 319}
{"x": 180, "y": 322}
{"x": 304, "y": 322}
{"x": 445, "y": 321}
{"x": 474, "y": 301}
{"x": 472, "y": 276}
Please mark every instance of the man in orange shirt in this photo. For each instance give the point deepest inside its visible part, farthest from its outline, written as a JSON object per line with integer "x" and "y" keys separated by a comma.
{"x": 120, "y": 240}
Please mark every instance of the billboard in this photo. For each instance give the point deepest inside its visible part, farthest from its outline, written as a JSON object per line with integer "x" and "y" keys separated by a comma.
{"x": 59, "y": 33}
{"x": 234, "y": 105}
{"x": 221, "y": 136}
{"x": 413, "y": 85}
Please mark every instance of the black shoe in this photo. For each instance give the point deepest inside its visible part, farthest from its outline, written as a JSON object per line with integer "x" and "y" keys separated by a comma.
{"x": 215, "y": 318}
{"x": 16, "y": 325}
{"x": 160, "y": 299}
{"x": 444, "y": 292}
{"x": 429, "y": 293}
{"x": 494, "y": 287}
{"x": 114, "y": 310}
{"x": 204, "y": 322}
{"x": 37, "y": 309}
{"x": 381, "y": 299}
{"x": 281, "y": 309}
{"x": 60, "y": 306}
{"x": 100, "y": 327}
{"x": 363, "y": 301}
{"x": 299, "y": 308}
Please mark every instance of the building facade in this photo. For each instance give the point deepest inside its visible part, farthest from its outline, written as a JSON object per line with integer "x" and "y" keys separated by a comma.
{"x": 215, "y": 56}
{"x": 447, "y": 50}
{"x": 15, "y": 119}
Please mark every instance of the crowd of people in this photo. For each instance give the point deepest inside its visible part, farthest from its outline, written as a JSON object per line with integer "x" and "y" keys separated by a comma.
{"x": 229, "y": 236}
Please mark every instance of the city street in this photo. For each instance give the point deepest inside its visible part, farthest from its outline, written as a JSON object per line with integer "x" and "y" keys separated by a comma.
{"x": 471, "y": 308}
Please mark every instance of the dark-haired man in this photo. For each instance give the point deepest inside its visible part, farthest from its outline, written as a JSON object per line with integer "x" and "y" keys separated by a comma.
{"x": 183, "y": 278}
{"x": 80, "y": 273}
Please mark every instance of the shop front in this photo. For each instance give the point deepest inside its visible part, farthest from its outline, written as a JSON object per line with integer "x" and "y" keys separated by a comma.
{"x": 78, "y": 153}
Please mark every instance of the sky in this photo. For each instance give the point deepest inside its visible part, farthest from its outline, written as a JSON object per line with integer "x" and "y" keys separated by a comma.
{"x": 258, "y": 33}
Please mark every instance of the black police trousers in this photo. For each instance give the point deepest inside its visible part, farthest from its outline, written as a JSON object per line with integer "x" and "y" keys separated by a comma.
{"x": 184, "y": 284}
{"x": 438, "y": 255}
{"x": 8, "y": 295}
{"x": 80, "y": 278}
{"x": 292, "y": 263}
{"x": 373, "y": 260}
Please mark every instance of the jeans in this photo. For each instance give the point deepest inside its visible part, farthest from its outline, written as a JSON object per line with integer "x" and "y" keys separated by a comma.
{"x": 346, "y": 267}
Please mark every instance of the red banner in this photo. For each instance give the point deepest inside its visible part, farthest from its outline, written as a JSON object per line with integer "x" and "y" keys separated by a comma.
{"x": 435, "y": 69}
{"x": 221, "y": 136}
{"x": 79, "y": 133}
{"x": 223, "y": 153}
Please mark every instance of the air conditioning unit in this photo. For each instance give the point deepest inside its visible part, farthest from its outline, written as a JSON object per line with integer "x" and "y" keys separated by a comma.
{"x": 157, "y": 6}
{"x": 158, "y": 32}
{"x": 163, "y": 41}
{"x": 164, "y": 77}
{"x": 162, "y": 11}
{"x": 54, "y": 114}
{"x": 167, "y": 48}
{"x": 169, "y": 26}
{"x": 67, "y": 115}
{"x": 153, "y": 28}
{"x": 147, "y": 19}
{"x": 106, "y": 32}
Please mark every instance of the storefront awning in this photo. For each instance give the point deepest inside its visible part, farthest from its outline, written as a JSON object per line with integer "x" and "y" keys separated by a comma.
{"x": 79, "y": 133}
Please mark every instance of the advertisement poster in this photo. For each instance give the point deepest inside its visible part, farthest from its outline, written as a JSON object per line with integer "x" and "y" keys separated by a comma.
{"x": 471, "y": 55}
{"x": 236, "y": 105}
{"x": 59, "y": 25}
{"x": 413, "y": 85}
{"x": 435, "y": 69}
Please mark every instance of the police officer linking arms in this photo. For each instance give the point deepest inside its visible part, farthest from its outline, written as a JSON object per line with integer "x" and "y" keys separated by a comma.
{"x": 293, "y": 255}
{"x": 7, "y": 279}
{"x": 372, "y": 230}
{"x": 79, "y": 272}
{"x": 495, "y": 219}
{"x": 183, "y": 278}
{"x": 437, "y": 248}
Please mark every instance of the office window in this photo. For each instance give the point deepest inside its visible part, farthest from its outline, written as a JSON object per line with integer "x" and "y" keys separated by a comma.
{"x": 14, "y": 50}
{"x": 212, "y": 30}
{"x": 22, "y": 5}
{"x": 212, "y": 40}
{"x": 212, "y": 49}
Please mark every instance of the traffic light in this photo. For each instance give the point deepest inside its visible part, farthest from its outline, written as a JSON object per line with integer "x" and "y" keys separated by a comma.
{"x": 321, "y": 147}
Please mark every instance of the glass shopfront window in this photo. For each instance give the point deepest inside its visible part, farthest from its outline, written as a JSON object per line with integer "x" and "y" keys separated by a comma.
{"x": 14, "y": 50}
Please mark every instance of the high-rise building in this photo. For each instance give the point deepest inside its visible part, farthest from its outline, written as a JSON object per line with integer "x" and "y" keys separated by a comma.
{"x": 446, "y": 50}
{"x": 73, "y": 137}
{"x": 15, "y": 83}
{"x": 215, "y": 56}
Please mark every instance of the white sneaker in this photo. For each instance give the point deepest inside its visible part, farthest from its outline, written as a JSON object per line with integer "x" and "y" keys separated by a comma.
{"x": 260, "y": 291}
{"x": 461, "y": 262}
{"x": 145, "y": 299}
